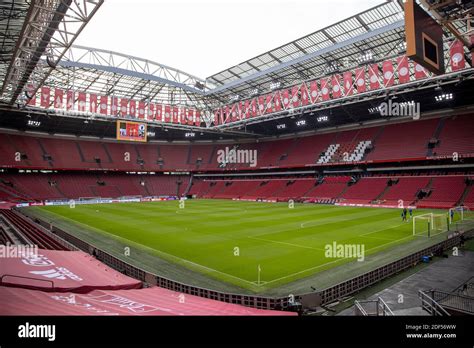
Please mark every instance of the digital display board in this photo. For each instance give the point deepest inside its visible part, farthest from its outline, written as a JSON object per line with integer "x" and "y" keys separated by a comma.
{"x": 131, "y": 131}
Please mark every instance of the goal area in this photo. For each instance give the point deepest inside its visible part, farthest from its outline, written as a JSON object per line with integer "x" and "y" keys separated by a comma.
{"x": 429, "y": 224}
{"x": 460, "y": 213}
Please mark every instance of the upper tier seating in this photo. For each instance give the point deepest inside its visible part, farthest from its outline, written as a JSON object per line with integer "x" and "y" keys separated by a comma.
{"x": 270, "y": 153}
{"x": 456, "y": 136}
{"x": 201, "y": 156}
{"x": 403, "y": 141}
{"x": 307, "y": 150}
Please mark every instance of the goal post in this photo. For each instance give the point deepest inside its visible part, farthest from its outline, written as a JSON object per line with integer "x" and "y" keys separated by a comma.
{"x": 422, "y": 224}
{"x": 460, "y": 213}
{"x": 429, "y": 224}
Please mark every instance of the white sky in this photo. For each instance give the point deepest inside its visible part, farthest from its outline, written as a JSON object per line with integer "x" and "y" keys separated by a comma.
{"x": 204, "y": 37}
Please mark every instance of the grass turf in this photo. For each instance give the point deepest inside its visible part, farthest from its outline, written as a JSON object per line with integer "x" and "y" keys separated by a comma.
{"x": 228, "y": 240}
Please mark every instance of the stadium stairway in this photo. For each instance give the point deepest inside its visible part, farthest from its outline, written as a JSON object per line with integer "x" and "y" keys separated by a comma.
{"x": 12, "y": 234}
{"x": 386, "y": 189}
{"x": 268, "y": 188}
{"x": 188, "y": 186}
{"x": 215, "y": 189}
{"x": 59, "y": 191}
{"x": 445, "y": 192}
{"x": 341, "y": 194}
{"x": 289, "y": 152}
{"x": 147, "y": 190}
{"x": 416, "y": 134}
{"x": 10, "y": 192}
{"x": 5, "y": 237}
{"x": 427, "y": 188}
{"x": 279, "y": 190}
{"x": 211, "y": 156}
{"x": 364, "y": 190}
{"x": 295, "y": 189}
{"x": 456, "y": 136}
{"x": 107, "y": 153}
{"x": 405, "y": 189}
{"x": 435, "y": 136}
{"x": 199, "y": 188}
{"x": 330, "y": 188}
{"x": 188, "y": 156}
{"x": 8, "y": 148}
{"x": 140, "y": 161}
{"x": 80, "y": 152}
{"x": 469, "y": 199}
{"x": 46, "y": 156}
{"x": 465, "y": 195}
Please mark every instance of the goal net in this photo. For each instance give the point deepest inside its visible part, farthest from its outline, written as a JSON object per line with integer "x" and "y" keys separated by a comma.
{"x": 429, "y": 224}
{"x": 460, "y": 213}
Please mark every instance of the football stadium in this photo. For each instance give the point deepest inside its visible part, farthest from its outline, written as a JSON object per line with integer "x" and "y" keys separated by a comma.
{"x": 330, "y": 176}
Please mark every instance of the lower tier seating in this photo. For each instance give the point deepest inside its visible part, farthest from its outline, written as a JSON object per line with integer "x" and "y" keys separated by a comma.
{"x": 437, "y": 191}
{"x": 32, "y": 233}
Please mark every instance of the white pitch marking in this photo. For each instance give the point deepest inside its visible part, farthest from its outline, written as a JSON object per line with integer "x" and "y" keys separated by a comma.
{"x": 383, "y": 229}
{"x": 261, "y": 283}
{"x": 159, "y": 251}
{"x": 327, "y": 263}
{"x": 379, "y": 238}
{"x": 291, "y": 244}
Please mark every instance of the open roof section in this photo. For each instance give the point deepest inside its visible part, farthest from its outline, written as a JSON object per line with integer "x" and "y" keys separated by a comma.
{"x": 110, "y": 73}
{"x": 12, "y": 17}
{"x": 36, "y": 34}
{"x": 379, "y": 29}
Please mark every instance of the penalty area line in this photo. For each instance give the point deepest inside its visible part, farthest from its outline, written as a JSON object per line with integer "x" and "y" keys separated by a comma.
{"x": 382, "y": 229}
{"x": 330, "y": 262}
{"x": 284, "y": 243}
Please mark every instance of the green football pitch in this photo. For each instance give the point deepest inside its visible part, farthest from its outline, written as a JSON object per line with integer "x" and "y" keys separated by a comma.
{"x": 252, "y": 245}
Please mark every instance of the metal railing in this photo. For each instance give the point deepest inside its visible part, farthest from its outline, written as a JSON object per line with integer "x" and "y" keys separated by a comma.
{"x": 454, "y": 301}
{"x": 376, "y": 307}
{"x": 467, "y": 286}
{"x": 430, "y": 305}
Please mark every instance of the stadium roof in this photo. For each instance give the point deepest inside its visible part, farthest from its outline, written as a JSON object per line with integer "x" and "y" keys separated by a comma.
{"x": 35, "y": 36}
{"x": 454, "y": 15}
{"x": 115, "y": 74}
{"x": 379, "y": 30}
{"x": 53, "y": 60}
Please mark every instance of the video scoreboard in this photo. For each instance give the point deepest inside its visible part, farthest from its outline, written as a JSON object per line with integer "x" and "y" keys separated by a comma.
{"x": 131, "y": 131}
{"x": 424, "y": 37}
